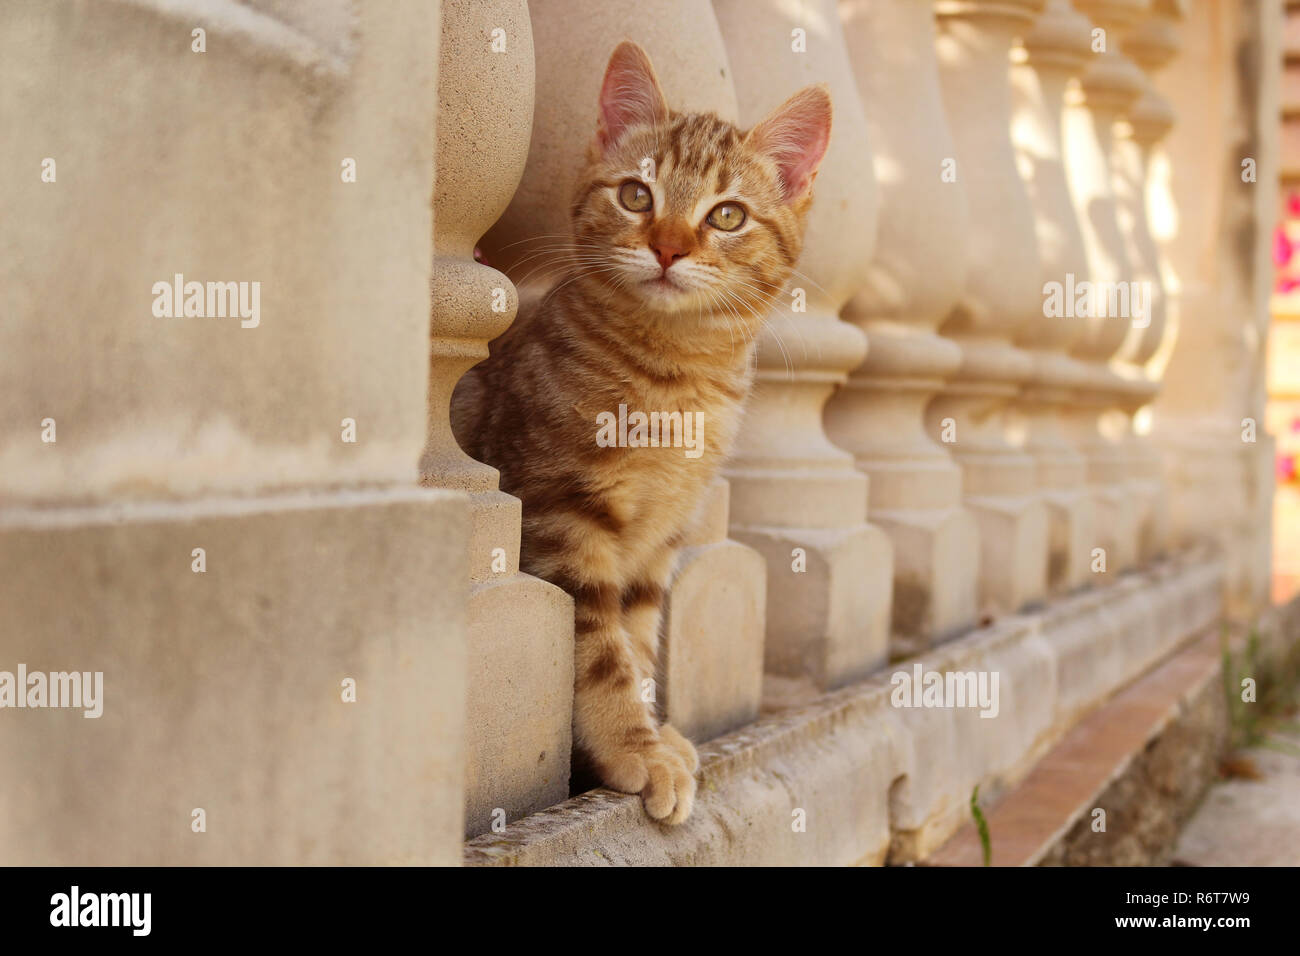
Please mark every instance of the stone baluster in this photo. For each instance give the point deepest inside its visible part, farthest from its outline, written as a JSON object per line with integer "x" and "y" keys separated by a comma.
{"x": 520, "y": 691}
{"x": 1151, "y": 43}
{"x": 1193, "y": 422}
{"x": 1108, "y": 87}
{"x": 796, "y": 497}
{"x": 912, "y": 283}
{"x": 1213, "y": 232}
{"x": 1051, "y": 54}
{"x": 712, "y": 631}
{"x": 1002, "y": 296}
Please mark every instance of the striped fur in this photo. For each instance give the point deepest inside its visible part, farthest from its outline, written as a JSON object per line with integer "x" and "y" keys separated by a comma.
{"x": 606, "y": 523}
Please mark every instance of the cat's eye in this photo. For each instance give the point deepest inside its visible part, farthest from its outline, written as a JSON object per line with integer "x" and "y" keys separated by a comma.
{"x": 727, "y": 216}
{"x": 635, "y": 197}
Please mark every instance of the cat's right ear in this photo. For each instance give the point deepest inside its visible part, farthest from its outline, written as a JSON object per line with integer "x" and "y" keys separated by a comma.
{"x": 795, "y": 137}
{"x": 629, "y": 95}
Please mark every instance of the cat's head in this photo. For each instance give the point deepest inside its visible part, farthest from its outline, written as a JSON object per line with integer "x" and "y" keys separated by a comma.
{"x": 683, "y": 213}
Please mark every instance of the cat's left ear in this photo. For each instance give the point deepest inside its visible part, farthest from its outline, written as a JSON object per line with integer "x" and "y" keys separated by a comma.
{"x": 630, "y": 94}
{"x": 795, "y": 136}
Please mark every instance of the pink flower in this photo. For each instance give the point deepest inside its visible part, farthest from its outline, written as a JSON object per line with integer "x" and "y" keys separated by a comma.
{"x": 1282, "y": 248}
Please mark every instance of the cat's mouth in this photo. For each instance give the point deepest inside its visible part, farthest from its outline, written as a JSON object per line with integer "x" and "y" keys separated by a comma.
{"x": 664, "y": 283}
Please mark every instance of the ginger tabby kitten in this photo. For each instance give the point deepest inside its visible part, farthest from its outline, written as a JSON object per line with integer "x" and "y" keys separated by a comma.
{"x": 685, "y": 230}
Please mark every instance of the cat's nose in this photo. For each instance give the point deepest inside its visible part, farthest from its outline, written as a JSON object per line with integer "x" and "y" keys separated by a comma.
{"x": 667, "y": 254}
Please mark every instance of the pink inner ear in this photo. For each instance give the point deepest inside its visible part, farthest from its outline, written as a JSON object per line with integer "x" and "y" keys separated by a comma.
{"x": 629, "y": 95}
{"x": 796, "y": 137}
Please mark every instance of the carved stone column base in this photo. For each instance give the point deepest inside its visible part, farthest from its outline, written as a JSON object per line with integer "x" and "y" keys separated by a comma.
{"x": 1071, "y": 529}
{"x": 999, "y": 481}
{"x": 829, "y": 621}
{"x": 915, "y": 487}
{"x": 520, "y": 698}
{"x": 936, "y": 576}
{"x": 1118, "y": 507}
{"x": 1001, "y": 495}
{"x": 712, "y": 650}
{"x": 1013, "y": 551}
{"x": 1119, "y": 514}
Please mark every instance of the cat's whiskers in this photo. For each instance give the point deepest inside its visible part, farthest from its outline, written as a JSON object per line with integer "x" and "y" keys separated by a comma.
{"x": 564, "y": 267}
{"x": 795, "y": 325}
{"x": 567, "y": 237}
{"x": 573, "y": 278}
{"x": 733, "y": 305}
{"x": 785, "y": 355}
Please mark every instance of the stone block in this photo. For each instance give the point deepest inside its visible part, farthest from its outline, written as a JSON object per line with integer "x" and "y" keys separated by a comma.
{"x": 223, "y": 690}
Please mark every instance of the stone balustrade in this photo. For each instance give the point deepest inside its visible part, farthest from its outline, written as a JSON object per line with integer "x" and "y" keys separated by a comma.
{"x": 1152, "y": 43}
{"x": 796, "y": 497}
{"x": 1109, "y": 86}
{"x": 916, "y": 274}
{"x": 937, "y": 465}
{"x": 1051, "y": 55}
{"x": 1207, "y": 184}
{"x": 1000, "y": 301}
{"x": 520, "y": 690}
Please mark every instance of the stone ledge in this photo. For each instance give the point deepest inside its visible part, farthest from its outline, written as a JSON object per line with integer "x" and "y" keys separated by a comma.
{"x": 1048, "y": 818}
{"x": 877, "y": 782}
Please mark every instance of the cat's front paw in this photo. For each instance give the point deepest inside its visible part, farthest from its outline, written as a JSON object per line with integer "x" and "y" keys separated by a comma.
{"x": 663, "y": 773}
{"x": 673, "y": 738}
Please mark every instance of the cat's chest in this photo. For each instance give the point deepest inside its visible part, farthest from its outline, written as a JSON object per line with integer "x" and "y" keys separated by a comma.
{"x": 670, "y": 433}
{"x": 656, "y": 450}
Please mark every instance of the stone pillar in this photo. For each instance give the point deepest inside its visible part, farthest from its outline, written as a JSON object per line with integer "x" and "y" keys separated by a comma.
{"x": 1002, "y": 297}
{"x": 520, "y": 628}
{"x": 1051, "y": 54}
{"x": 1151, "y": 43}
{"x": 714, "y": 614}
{"x": 712, "y": 654}
{"x": 218, "y": 511}
{"x": 796, "y": 497}
{"x": 1207, "y": 227}
{"x": 912, "y": 283}
{"x": 1108, "y": 87}
{"x": 1259, "y": 98}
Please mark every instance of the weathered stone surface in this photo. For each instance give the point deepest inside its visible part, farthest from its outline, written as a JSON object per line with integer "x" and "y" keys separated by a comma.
{"x": 712, "y": 647}
{"x": 223, "y": 689}
{"x": 520, "y": 699}
{"x": 221, "y": 166}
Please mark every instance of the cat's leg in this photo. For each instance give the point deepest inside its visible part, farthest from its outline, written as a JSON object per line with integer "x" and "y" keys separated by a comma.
{"x": 575, "y": 543}
{"x": 612, "y": 723}
{"x": 643, "y": 602}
